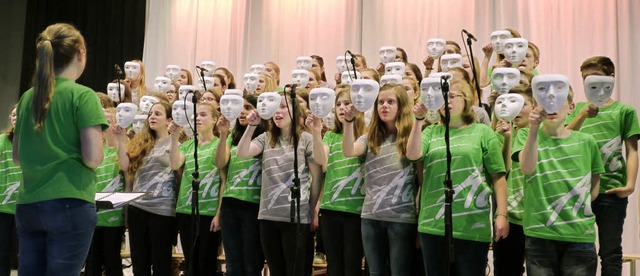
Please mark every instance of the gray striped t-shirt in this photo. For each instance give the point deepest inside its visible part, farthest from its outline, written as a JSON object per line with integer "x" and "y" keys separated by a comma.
{"x": 388, "y": 184}
{"x": 277, "y": 178}
{"x": 156, "y": 179}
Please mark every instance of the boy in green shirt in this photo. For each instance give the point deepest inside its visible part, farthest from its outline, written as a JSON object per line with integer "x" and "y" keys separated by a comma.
{"x": 611, "y": 124}
{"x": 562, "y": 172}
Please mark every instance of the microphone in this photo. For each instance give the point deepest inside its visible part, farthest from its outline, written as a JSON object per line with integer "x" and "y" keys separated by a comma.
{"x": 118, "y": 70}
{"x": 353, "y": 63}
{"x": 469, "y": 35}
{"x": 202, "y": 69}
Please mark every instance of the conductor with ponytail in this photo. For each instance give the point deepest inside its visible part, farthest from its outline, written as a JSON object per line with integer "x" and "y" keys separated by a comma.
{"x": 58, "y": 144}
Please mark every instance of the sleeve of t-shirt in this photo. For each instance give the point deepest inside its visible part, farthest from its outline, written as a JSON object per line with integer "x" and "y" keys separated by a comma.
{"x": 630, "y": 120}
{"x": 307, "y": 142}
{"x": 492, "y": 152}
{"x": 597, "y": 167}
{"x": 363, "y": 140}
{"x": 518, "y": 144}
{"x": 89, "y": 111}
{"x": 327, "y": 139}
{"x": 426, "y": 138}
{"x": 186, "y": 147}
{"x": 260, "y": 141}
{"x": 573, "y": 114}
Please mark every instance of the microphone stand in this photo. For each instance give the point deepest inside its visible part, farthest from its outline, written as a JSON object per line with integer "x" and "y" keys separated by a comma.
{"x": 195, "y": 187}
{"x": 448, "y": 185}
{"x": 295, "y": 189}
{"x": 473, "y": 69}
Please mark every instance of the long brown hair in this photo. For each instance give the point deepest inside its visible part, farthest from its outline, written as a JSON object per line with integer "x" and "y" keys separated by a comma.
{"x": 239, "y": 129}
{"x": 359, "y": 126}
{"x": 10, "y": 130}
{"x": 56, "y": 47}
{"x": 143, "y": 142}
{"x": 298, "y": 118}
{"x": 377, "y": 132}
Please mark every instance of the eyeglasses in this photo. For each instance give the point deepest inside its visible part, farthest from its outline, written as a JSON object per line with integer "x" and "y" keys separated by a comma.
{"x": 454, "y": 96}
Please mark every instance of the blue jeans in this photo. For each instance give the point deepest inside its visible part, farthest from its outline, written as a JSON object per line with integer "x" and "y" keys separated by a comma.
{"x": 241, "y": 237}
{"x": 549, "y": 257}
{"x": 610, "y": 211}
{"x": 54, "y": 236}
{"x": 388, "y": 245}
{"x": 470, "y": 257}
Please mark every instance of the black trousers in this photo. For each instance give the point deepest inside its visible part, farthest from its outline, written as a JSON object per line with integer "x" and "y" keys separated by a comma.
{"x": 104, "y": 254}
{"x": 206, "y": 250}
{"x": 151, "y": 239}
{"x": 287, "y": 247}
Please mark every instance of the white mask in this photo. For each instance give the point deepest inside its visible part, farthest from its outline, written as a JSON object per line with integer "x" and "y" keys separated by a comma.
{"x": 185, "y": 90}
{"x": 187, "y": 130}
{"x": 435, "y": 47}
{"x": 364, "y": 94}
{"x": 162, "y": 84}
{"x": 395, "y": 68}
{"x": 132, "y": 69}
{"x": 172, "y": 72}
{"x": 515, "y": 49}
{"x": 508, "y": 106}
{"x": 125, "y": 112}
{"x": 231, "y": 106}
{"x": 138, "y": 122}
{"x": 550, "y": 91}
{"x": 387, "y": 54}
{"x": 304, "y": 63}
{"x": 449, "y": 61}
{"x": 250, "y": 81}
{"x": 268, "y": 103}
{"x": 181, "y": 111}
{"x": 300, "y": 77}
{"x": 330, "y": 120}
{"x": 504, "y": 79}
{"x": 112, "y": 91}
{"x": 146, "y": 102}
{"x": 440, "y": 74}
{"x": 598, "y": 89}
{"x": 257, "y": 69}
{"x": 210, "y": 66}
{"x": 236, "y": 92}
{"x": 392, "y": 79}
{"x": 321, "y": 101}
{"x": 431, "y": 93}
{"x": 343, "y": 63}
{"x": 348, "y": 77}
{"x": 208, "y": 81}
{"x": 498, "y": 38}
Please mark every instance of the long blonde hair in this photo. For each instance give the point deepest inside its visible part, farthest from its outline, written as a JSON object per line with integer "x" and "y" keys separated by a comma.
{"x": 143, "y": 142}
{"x": 359, "y": 126}
{"x": 56, "y": 47}
{"x": 377, "y": 131}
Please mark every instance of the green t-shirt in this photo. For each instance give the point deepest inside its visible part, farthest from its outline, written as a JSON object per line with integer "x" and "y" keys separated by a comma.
{"x": 557, "y": 198}
{"x": 476, "y": 153}
{"x": 10, "y": 177}
{"x": 243, "y": 177}
{"x": 208, "y": 196}
{"x": 109, "y": 180}
{"x": 51, "y": 159}
{"x": 515, "y": 186}
{"x": 343, "y": 183}
{"x": 610, "y": 128}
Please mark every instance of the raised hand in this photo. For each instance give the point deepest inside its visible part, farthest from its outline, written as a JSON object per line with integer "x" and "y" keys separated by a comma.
{"x": 253, "y": 118}
{"x": 313, "y": 122}
{"x": 536, "y": 117}
{"x": 223, "y": 126}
